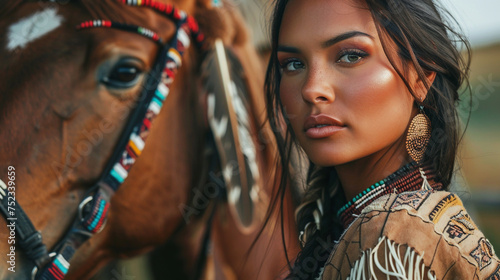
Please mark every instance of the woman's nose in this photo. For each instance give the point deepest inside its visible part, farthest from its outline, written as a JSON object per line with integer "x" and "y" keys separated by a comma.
{"x": 317, "y": 87}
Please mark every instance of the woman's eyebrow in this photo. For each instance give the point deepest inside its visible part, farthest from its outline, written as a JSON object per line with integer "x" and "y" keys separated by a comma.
{"x": 327, "y": 43}
{"x": 287, "y": 49}
{"x": 344, "y": 36}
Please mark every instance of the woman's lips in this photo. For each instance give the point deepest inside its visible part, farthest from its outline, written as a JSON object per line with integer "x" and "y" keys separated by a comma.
{"x": 321, "y": 126}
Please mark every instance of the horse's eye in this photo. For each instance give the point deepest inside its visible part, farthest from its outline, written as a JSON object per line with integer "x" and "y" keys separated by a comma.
{"x": 122, "y": 76}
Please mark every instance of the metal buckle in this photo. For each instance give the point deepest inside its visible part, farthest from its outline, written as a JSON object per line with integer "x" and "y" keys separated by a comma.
{"x": 80, "y": 216}
{"x": 34, "y": 271}
{"x": 82, "y": 205}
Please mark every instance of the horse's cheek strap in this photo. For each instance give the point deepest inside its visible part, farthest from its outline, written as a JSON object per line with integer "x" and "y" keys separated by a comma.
{"x": 92, "y": 220}
{"x": 30, "y": 240}
{"x": 35, "y": 249}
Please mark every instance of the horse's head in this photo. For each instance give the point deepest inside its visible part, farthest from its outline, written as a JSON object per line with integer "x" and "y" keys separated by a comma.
{"x": 66, "y": 95}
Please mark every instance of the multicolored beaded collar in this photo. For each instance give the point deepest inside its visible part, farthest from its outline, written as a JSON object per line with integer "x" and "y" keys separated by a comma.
{"x": 410, "y": 177}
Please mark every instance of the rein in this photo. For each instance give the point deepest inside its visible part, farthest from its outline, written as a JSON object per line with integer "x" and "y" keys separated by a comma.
{"x": 93, "y": 209}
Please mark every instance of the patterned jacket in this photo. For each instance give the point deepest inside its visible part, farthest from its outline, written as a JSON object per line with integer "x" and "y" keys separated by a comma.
{"x": 413, "y": 235}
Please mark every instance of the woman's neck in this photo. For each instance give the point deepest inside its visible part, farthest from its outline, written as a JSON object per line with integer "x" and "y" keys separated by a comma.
{"x": 357, "y": 175}
{"x": 410, "y": 177}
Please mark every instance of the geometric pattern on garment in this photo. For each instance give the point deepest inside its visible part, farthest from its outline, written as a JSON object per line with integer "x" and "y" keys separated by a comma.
{"x": 411, "y": 199}
{"x": 459, "y": 225}
{"x": 443, "y": 205}
{"x": 483, "y": 253}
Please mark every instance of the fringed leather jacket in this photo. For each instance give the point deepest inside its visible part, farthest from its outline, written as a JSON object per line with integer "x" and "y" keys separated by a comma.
{"x": 421, "y": 234}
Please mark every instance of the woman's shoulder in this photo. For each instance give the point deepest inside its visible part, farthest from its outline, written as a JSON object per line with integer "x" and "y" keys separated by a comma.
{"x": 432, "y": 206}
{"x": 426, "y": 225}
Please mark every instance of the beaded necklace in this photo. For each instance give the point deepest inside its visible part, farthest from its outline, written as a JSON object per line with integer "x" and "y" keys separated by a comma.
{"x": 408, "y": 178}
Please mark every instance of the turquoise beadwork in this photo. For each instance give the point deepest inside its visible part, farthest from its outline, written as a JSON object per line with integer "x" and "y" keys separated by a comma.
{"x": 360, "y": 195}
{"x": 374, "y": 186}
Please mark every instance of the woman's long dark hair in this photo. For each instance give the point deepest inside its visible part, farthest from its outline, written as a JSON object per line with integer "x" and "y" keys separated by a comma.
{"x": 426, "y": 44}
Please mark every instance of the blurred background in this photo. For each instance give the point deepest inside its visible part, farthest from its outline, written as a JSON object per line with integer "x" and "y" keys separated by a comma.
{"x": 479, "y": 160}
{"x": 480, "y": 155}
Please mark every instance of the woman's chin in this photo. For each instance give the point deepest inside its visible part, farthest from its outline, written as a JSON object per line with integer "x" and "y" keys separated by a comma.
{"x": 328, "y": 159}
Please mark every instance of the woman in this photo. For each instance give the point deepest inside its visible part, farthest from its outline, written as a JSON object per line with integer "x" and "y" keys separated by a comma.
{"x": 368, "y": 90}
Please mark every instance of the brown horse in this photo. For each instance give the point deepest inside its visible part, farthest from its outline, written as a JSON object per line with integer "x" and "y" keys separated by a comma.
{"x": 61, "y": 118}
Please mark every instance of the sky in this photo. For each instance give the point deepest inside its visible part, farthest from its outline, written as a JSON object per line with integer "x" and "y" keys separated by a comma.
{"x": 480, "y": 19}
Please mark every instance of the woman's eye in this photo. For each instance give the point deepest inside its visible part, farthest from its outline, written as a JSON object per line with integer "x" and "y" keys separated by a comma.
{"x": 292, "y": 65}
{"x": 352, "y": 57}
{"x": 122, "y": 76}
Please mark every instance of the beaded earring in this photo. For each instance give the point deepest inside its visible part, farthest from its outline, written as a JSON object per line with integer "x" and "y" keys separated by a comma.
{"x": 418, "y": 135}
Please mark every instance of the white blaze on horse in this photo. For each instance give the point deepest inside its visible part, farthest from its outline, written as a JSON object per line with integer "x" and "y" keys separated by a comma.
{"x": 33, "y": 27}
{"x": 67, "y": 98}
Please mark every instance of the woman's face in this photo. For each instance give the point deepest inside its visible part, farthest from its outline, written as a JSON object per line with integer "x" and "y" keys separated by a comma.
{"x": 342, "y": 97}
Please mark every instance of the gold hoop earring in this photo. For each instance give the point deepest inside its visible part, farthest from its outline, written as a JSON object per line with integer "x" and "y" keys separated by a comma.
{"x": 419, "y": 134}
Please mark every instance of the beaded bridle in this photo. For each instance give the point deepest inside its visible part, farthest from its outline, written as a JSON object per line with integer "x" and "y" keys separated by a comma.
{"x": 92, "y": 211}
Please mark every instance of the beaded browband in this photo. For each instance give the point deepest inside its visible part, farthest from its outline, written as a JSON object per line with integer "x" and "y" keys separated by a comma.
{"x": 122, "y": 26}
{"x": 92, "y": 211}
